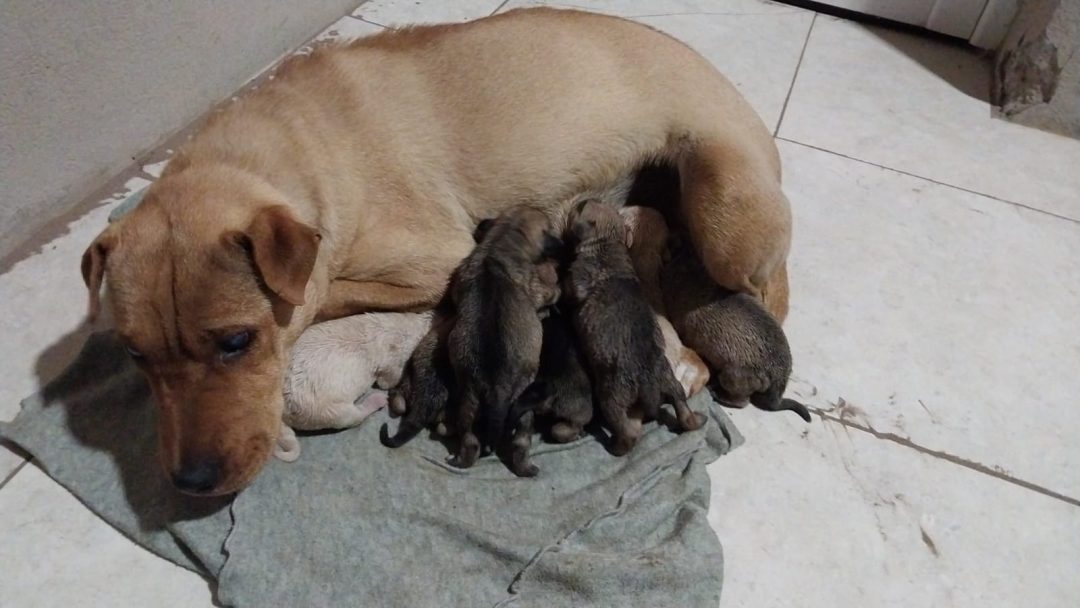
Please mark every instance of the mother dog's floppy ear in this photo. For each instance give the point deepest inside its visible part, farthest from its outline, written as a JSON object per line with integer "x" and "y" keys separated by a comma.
{"x": 284, "y": 251}
{"x": 93, "y": 268}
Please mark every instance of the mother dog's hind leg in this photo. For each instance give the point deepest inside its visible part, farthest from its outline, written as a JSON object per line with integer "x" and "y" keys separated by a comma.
{"x": 738, "y": 218}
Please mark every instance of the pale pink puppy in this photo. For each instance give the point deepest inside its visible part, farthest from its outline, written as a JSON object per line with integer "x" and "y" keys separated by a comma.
{"x": 335, "y": 362}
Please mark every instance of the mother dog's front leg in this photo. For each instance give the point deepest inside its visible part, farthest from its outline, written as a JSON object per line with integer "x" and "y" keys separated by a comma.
{"x": 738, "y": 219}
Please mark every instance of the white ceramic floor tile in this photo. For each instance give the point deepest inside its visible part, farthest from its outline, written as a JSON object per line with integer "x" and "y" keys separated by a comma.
{"x": 55, "y": 552}
{"x": 393, "y": 13}
{"x": 942, "y": 315}
{"x": 755, "y": 44}
{"x": 920, "y": 106}
{"x": 48, "y": 291}
{"x": 818, "y": 516}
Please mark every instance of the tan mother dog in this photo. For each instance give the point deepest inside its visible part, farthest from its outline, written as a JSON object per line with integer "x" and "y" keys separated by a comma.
{"x": 353, "y": 181}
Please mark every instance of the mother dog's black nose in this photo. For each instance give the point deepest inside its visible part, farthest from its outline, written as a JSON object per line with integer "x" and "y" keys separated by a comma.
{"x": 198, "y": 477}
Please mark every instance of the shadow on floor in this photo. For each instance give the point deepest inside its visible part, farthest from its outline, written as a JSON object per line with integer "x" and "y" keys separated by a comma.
{"x": 968, "y": 69}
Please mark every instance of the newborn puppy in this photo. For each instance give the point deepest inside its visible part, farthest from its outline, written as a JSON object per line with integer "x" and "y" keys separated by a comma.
{"x": 498, "y": 293}
{"x": 648, "y": 234}
{"x": 742, "y": 343}
{"x": 616, "y": 328}
{"x": 335, "y": 362}
{"x": 562, "y": 392}
{"x": 425, "y": 387}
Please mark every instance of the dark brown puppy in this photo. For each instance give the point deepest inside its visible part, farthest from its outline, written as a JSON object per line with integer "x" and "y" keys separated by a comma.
{"x": 562, "y": 393}
{"x": 616, "y": 328}
{"x": 422, "y": 395}
{"x": 495, "y": 344}
{"x": 742, "y": 343}
{"x": 428, "y": 378}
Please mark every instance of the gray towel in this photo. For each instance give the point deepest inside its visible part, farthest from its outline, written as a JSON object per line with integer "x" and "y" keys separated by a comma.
{"x": 354, "y": 523}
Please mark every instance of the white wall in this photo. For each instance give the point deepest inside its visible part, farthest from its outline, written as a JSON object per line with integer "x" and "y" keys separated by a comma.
{"x": 86, "y": 86}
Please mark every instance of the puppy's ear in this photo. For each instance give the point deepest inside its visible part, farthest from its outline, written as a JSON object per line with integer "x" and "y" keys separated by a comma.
{"x": 482, "y": 229}
{"x": 284, "y": 250}
{"x": 93, "y": 268}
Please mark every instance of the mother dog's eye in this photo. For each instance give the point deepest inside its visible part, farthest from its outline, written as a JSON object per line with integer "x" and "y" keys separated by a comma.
{"x": 134, "y": 354}
{"x": 235, "y": 344}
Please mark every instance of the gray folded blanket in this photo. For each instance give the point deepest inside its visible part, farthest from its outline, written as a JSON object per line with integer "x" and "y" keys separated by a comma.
{"x": 354, "y": 523}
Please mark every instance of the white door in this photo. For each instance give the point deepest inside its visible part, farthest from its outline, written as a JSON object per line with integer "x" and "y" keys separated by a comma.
{"x": 958, "y": 18}
{"x": 983, "y": 23}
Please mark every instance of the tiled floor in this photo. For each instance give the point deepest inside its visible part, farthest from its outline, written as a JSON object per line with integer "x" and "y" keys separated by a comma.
{"x": 936, "y": 283}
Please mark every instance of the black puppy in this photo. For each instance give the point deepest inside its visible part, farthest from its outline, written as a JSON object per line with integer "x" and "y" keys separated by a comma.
{"x": 742, "y": 343}
{"x": 562, "y": 393}
{"x": 426, "y": 385}
{"x": 617, "y": 329}
{"x": 500, "y": 292}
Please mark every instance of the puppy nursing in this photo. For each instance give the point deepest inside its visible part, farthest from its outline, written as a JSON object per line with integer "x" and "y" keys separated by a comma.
{"x": 562, "y": 393}
{"x": 619, "y": 336}
{"x": 334, "y": 362}
{"x": 514, "y": 347}
{"x": 743, "y": 344}
{"x": 648, "y": 236}
{"x": 499, "y": 292}
{"x": 425, "y": 388}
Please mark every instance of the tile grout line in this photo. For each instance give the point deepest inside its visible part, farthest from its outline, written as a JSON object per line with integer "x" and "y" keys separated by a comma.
{"x": 14, "y": 472}
{"x": 795, "y": 76}
{"x": 933, "y": 181}
{"x": 941, "y": 455}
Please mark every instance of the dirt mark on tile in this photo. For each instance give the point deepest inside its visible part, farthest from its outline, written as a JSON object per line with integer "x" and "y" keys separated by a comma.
{"x": 933, "y": 418}
{"x": 929, "y": 542}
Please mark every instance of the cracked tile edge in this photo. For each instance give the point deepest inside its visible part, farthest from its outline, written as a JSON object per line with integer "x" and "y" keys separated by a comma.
{"x": 826, "y": 415}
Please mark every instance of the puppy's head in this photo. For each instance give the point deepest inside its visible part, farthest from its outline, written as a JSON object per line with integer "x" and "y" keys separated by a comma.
{"x": 202, "y": 279}
{"x": 595, "y": 220}
{"x": 532, "y": 233}
{"x": 523, "y": 237}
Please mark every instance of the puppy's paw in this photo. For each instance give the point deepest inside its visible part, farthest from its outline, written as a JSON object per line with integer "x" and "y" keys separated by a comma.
{"x": 372, "y": 403}
{"x": 621, "y": 446}
{"x": 457, "y": 462}
{"x": 529, "y": 470}
{"x": 562, "y": 432}
{"x": 691, "y": 372}
{"x": 396, "y": 404}
{"x": 287, "y": 448}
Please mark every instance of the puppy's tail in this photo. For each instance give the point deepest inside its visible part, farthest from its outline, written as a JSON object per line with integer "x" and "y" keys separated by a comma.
{"x": 408, "y": 428}
{"x": 771, "y": 401}
{"x": 794, "y": 406}
{"x": 788, "y": 404}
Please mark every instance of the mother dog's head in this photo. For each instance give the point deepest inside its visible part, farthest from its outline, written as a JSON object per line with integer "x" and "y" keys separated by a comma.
{"x": 202, "y": 279}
